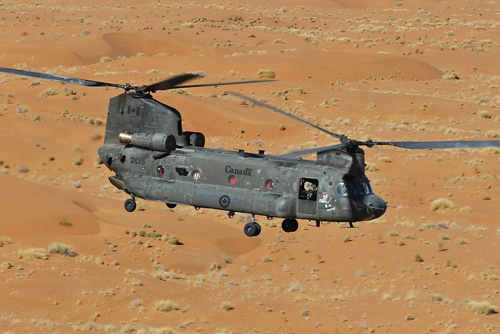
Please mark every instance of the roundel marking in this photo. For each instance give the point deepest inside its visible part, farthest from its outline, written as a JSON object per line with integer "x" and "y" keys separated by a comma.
{"x": 224, "y": 201}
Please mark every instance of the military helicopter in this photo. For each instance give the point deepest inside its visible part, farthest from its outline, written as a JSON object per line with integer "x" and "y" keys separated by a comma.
{"x": 155, "y": 159}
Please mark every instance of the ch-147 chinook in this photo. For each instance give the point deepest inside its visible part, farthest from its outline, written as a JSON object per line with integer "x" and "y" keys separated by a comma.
{"x": 154, "y": 159}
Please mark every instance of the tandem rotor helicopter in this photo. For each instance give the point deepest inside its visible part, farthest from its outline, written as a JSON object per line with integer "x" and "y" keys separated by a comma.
{"x": 155, "y": 159}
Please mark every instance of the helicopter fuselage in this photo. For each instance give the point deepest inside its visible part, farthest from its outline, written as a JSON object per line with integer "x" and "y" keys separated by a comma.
{"x": 236, "y": 181}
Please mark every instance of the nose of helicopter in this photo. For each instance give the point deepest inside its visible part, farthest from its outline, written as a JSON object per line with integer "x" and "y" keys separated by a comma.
{"x": 376, "y": 206}
{"x": 369, "y": 207}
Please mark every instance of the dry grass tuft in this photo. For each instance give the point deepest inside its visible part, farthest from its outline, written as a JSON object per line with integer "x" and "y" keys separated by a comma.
{"x": 171, "y": 239}
{"x": 65, "y": 222}
{"x": 442, "y": 203}
{"x": 165, "y": 305}
{"x": 63, "y": 249}
{"x": 32, "y": 254}
{"x": 4, "y": 241}
{"x": 49, "y": 92}
{"x": 483, "y": 307}
{"x": 226, "y": 306}
{"x": 266, "y": 74}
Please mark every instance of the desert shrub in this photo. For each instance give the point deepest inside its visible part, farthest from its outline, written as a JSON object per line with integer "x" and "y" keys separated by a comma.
{"x": 483, "y": 307}
{"x": 483, "y": 114}
{"x": 49, "y": 92}
{"x": 442, "y": 203}
{"x": 32, "y": 253}
{"x": 132, "y": 281}
{"x": 163, "y": 275}
{"x": 4, "y": 241}
{"x": 266, "y": 74}
{"x": 65, "y": 222}
{"x": 266, "y": 259}
{"x": 105, "y": 59}
{"x": 226, "y": 306}
{"x": 165, "y": 305}
{"x": 418, "y": 258}
{"x": 171, "y": 239}
{"x": 63, "y": 249}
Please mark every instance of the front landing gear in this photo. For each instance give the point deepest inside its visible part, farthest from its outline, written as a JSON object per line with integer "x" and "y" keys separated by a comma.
{"x": 252, "y": 229}
{"x": 130, "y": 205}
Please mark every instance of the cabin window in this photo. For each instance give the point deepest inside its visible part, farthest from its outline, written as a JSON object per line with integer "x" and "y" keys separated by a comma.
{"x": 181, "y": 171}
{"x": 232, "y": 179}
{"x": 196, "y": 175}
{"x": 308, "y": 189}
{"x": 160, "y": 170}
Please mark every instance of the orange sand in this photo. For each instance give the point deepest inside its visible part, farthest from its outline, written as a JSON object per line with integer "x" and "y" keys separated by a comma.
{"x": 383, "y": 70}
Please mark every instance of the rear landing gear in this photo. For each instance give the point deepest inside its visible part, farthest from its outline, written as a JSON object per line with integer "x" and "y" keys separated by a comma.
{"x": 289, "y": 225}
{"x": 130, "y": 205}
{"x": 252, "y": 229}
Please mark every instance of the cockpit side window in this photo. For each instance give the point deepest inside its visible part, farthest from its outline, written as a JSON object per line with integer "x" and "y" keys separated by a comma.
{"x": 367, "y": 188}
{"x": 354, "y": 186}
{"x": 308, "y": 189}
{"x": 342, "y": 189}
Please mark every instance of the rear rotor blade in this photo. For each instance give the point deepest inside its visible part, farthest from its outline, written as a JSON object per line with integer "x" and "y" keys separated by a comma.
{"x": 430, "y": 145}
{"x": 264, "y": 105}
{"x": 61, "y": 78}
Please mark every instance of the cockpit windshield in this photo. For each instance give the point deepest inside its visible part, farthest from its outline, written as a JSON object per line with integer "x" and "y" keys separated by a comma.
{"x": 354, "y": 186}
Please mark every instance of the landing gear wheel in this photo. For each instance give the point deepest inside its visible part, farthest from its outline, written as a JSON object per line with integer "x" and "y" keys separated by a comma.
{"x": 230, "y": 214}
{"x": 170, "y": 205}
{"x": 252, "y": 229}
{"x": 130, "y": 205}
{"x": 289, "y": 225}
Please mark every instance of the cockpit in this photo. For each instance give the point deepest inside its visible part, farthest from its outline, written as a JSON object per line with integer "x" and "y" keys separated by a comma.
{"x": 365, "y": 204}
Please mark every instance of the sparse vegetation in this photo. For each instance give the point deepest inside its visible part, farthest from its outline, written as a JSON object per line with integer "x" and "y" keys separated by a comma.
{"x": 313, "y": 283}
{"x": 226, "y": 306}
{"x": 4, "y": 241}
{"x": 266, "y": 74}
{"x": 483, "y": 307}
{"x": 65, "y": 222}
{"x": 166, "y": 306}
{"x": 49, "y": 92}
{"x": 63, "y": 249}
{"x": 441, "y": 204}
{"x": 32, "y": 254}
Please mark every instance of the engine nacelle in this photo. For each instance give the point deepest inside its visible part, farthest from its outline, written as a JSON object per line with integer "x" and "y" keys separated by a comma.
{"x": 151, "y": 141}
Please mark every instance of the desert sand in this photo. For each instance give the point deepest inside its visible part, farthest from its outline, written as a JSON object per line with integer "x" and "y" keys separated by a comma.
{"x": 73, "y": 260}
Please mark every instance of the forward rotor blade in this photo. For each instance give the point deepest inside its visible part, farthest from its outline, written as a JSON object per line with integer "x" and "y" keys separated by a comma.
{"x": 61, "y": 78}
{"x": 430, "y": 145}
{"x": 314, "y": 150}
{"x": 172, "y": 82}
{"x": 264, "y": 105}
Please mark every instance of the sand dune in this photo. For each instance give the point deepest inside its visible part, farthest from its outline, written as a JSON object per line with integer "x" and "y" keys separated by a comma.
{"x": 73, "y": 260}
